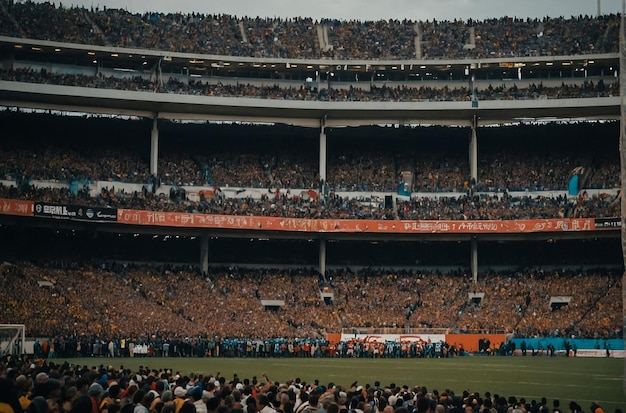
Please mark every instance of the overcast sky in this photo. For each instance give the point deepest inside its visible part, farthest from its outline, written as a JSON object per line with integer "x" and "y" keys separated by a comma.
{"x": 368, "y": 9}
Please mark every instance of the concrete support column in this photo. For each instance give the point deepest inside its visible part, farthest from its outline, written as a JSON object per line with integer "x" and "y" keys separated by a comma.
{"x": 474, "y": 259}
{"x": 323, "y": 258}
{"x": 154, "y": 148}
{"x": 204, "y": 254}
{"x": 322, "y": 154}
{"x": 473, "y": 151}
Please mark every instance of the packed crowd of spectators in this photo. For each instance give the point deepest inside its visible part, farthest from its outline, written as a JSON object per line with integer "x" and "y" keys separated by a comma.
{"x": 134, "y": 301}
{"x": 47, "y": 386}
{"x": 507, "y": 207}
{"x": 47, "y": 21}
{"x": 301, "y": 37}
{"x": 287, "y": 174}
{"x": 371, "y": 40}
{"x": 460, "y": 208}
{"x": 275, "y": 37}
{"x": 511, "y": 36}
{"x": 403, "y": 93}
{"x": 516, "y": 165}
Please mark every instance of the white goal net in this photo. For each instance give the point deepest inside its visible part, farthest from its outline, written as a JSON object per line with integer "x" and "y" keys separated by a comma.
{"x": 12, "y": 339}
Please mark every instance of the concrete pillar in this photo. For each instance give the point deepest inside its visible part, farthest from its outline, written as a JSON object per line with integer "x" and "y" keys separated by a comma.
{"x": 322, "y": 151}
{"x": 473, "y": 151}
{"x": 154, "y": 148}
{"x": 323, "y": 258}
{"x": 204, "y": 254}
{"x": 474, "y": 259}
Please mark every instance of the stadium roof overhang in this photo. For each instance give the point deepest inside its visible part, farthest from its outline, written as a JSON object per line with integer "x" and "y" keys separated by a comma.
{"x": 136, "y": 59}
{"x": 301, "y": 113}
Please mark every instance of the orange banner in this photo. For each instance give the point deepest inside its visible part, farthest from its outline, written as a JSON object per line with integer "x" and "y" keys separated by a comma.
{"x": 469, "y": 342}
{"x": 16, "y": 207}
{"x": 175, "y": 219}
{"x": 190, "y": 220}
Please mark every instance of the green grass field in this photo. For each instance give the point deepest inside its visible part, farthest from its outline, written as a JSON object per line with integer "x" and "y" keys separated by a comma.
{"x": 579, "y": 379}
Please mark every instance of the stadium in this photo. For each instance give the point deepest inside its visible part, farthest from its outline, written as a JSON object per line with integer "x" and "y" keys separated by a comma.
{"x": 223, "y": 187}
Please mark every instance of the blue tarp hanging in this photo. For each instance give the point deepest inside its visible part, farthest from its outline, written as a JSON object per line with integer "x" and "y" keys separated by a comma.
{"x": 572, "y": 185}
{"x": 404, "y": 189}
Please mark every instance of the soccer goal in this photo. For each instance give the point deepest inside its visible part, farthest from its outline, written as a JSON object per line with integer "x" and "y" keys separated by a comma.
{"x": 12, "y": 339}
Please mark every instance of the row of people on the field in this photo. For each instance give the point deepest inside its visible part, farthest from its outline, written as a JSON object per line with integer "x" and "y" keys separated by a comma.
{"x": 157, "y": 346}
{"x": 175, "y": 302}
{"x": 373, "y": 93}
{"x": 302, "y": 37}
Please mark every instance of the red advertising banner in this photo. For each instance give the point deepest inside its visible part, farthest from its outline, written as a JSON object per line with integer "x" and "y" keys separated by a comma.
{"x": 16, "y": 207}
{"x": 175, "y": 219}
{"x": 190, "y": 220}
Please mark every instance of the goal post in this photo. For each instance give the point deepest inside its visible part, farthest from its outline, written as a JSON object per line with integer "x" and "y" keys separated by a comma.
{"x": 12, "y": 339}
